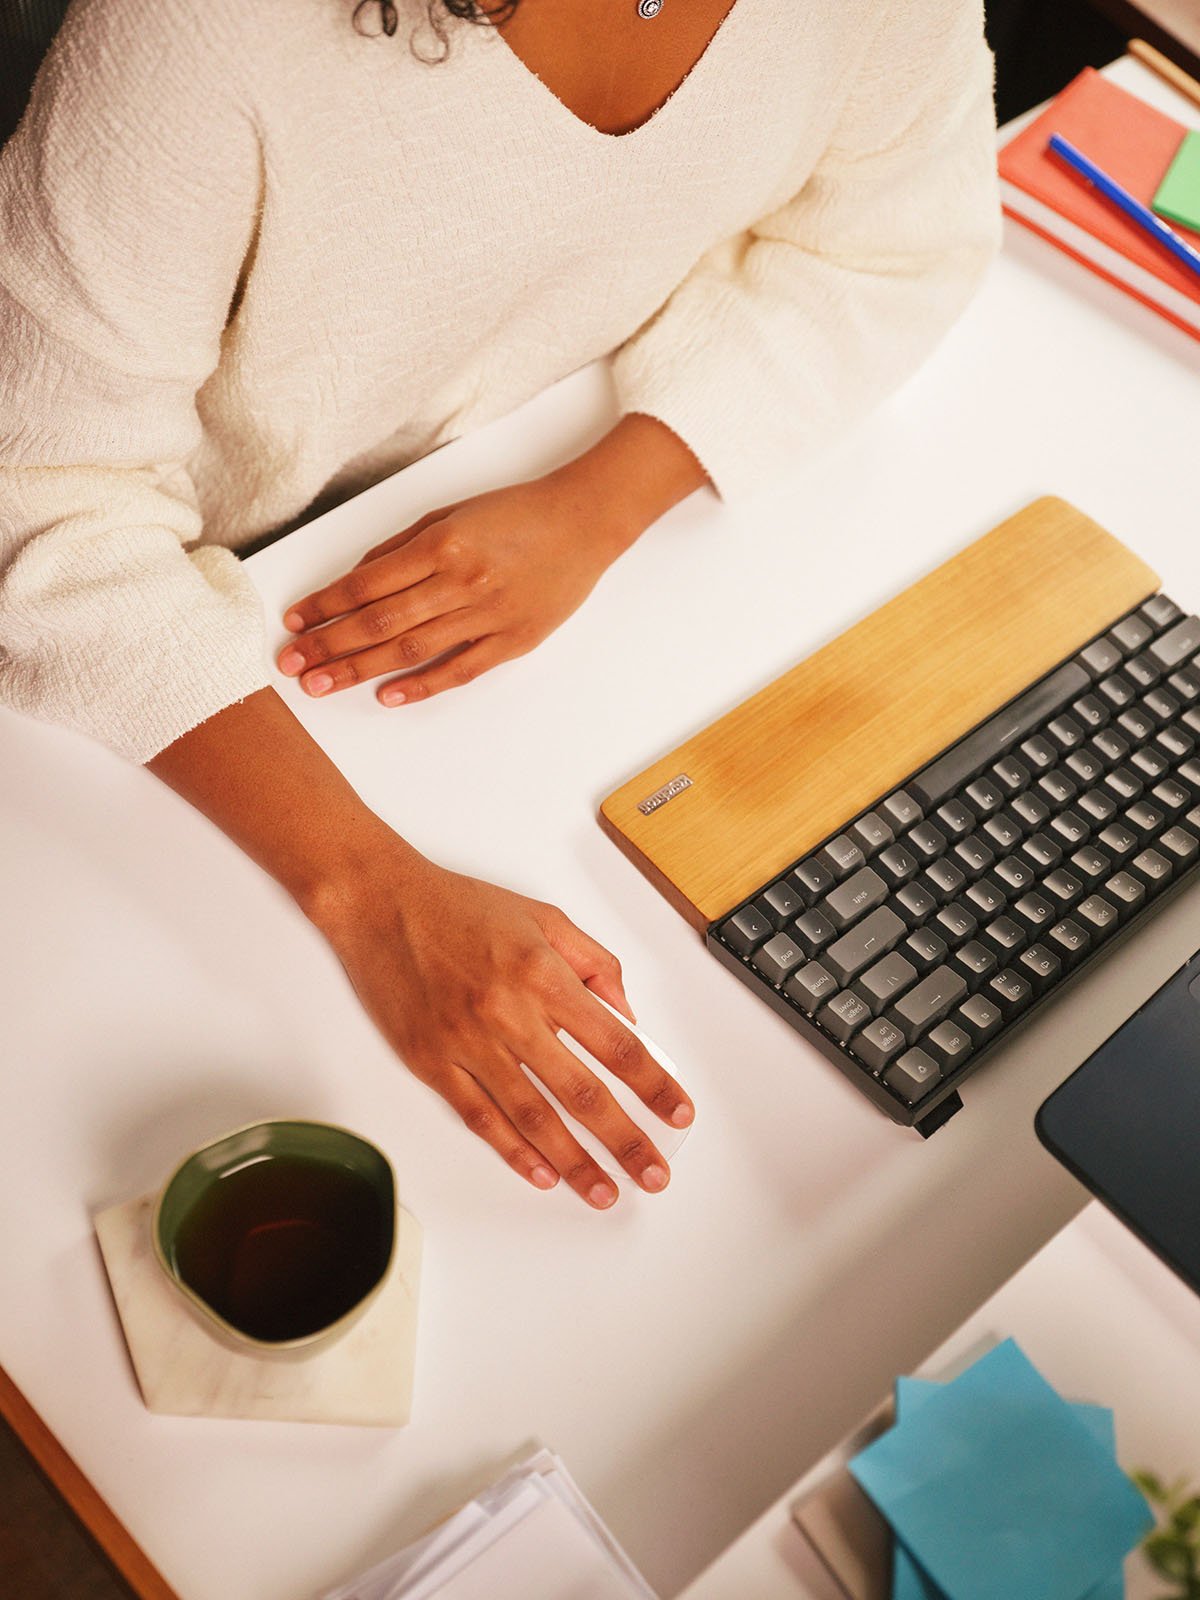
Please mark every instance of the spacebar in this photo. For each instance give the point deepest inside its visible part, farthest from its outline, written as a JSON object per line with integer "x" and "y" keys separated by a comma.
{"x": 993, "y": 738}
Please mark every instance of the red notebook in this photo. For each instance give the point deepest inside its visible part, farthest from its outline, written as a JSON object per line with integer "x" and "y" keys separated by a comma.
{"x": 1133, "y": 143}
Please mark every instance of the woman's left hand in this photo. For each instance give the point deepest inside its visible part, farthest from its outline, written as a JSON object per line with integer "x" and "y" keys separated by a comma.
{"x": 486, "y": 579}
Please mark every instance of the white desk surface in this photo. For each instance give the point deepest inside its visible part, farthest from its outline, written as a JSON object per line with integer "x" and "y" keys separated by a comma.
{"x": 1103, "y": 1320}
{"x": 688, "y": 1354}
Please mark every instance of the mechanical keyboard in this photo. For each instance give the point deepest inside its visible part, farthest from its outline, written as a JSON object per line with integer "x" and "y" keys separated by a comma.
{"x": 930, "y": 924}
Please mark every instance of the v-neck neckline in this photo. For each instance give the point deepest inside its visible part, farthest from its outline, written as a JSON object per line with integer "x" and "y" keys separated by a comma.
{"x": 641, "y": 130}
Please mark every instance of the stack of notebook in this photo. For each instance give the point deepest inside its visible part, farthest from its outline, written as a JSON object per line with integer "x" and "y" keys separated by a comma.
{"x": 531, "y": 1535}
{"x": 996, "y": 1487}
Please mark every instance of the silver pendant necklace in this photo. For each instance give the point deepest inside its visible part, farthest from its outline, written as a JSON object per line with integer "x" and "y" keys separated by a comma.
{"x": 649, "y": 8}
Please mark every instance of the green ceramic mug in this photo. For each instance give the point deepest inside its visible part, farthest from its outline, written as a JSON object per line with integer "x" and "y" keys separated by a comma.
{"x": 279, "y": 1235}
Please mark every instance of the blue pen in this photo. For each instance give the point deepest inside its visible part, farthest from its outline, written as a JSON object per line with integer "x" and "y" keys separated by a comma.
{"x": 1124, "y": 201}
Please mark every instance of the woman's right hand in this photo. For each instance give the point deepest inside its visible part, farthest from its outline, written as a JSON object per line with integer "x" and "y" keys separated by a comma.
{"x": 468, "y": 981}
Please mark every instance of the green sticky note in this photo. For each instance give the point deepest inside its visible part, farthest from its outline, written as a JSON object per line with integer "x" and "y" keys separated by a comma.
{"x": 1178, "y": 196}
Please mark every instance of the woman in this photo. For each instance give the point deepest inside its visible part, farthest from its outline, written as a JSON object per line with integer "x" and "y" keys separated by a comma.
{"x": 256, "y": 254}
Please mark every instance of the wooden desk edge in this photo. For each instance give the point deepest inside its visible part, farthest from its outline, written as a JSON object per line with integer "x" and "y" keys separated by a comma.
{"x": 97, "y": 1517}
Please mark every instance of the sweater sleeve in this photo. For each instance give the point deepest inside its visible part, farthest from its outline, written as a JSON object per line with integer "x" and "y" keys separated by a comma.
{"x": 128, "y": 201}
{"x": 785, "y": 334}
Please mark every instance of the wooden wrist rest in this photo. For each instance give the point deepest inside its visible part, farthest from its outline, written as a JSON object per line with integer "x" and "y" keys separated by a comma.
{"x": 728, "y": 810}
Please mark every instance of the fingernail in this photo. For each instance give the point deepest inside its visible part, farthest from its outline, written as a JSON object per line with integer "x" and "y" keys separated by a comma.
{"x": 602, "y": 1195}
{"x": 318, "y": 683}
{"x": 543, "y": 1177}
{"x": 682, "y": 1116}
{"x": 291, "y": 661}
{"x": 654, "y": 1179}
{"x": 392, "y": 697}
{"x": 293, "y": 621}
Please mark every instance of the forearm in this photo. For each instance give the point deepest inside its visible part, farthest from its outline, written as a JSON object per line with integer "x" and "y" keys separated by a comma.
{"x": 256, "y": 773}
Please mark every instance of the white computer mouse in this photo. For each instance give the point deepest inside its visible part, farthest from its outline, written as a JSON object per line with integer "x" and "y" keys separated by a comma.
{"x": 666, "y": 1137}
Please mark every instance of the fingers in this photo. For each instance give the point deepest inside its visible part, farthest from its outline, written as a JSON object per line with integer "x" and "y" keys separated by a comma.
{"x": 532, "y": 1115}
{"x": 453, "y": 673}
{"x": 374, "y": 580}
{"x": 406, "y": 534}
{"x": 624, "y": 1054}
{"x": 485, "y": 1119}
{"x": 432, "y": 638}
{"x": 598, "y": 967}
{"x": 370, "y": 626}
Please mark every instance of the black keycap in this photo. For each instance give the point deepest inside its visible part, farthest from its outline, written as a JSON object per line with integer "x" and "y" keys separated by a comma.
{"x": 1069, "y": 829}
{"x": 1031, "y": 810}
{"x": 901, "y": 810}
{"x": 879, "y": 1043}
{"x": 777, "y": 958}
{"x": 1130, "y": 634}
{"x": 1057, "y": 787}
{"x": 1100, "y": 658}
{"x": 1181, "y": 845}
{"x": 1191, "y": 720}
{"x": 1178, "y": 644}
{"x": 1144, "y": 819}
{"x": 1066, "y": 732}
{"x": 944, "y": 879}
{"x": 811, "y": 986}
{"x": 745, "y": 930}
{"x": 873, "y": 937}
{"x": 844, "y": 1015}
{"x": 1124, "y": 784}
{"x": 1097, "y": 807}
{"x": 925, "y": 842}
{"x": 1153, "y": 868}
{"x": 1193, "y": 819}
{"x": 1126, "y": 892}
{"x": 1171, "y": 796}
{"x": 1161, "y": 706}
{"x": 1097, "y": 915}
{"x": 1040, "y": 753}
{"x": 1149, "y": 763}
{"x": 954, "y": 819}
{"x": 813, "y": 931}
{"x": 1176, "y": 743}
{"x": 955, "y": 923}
{"x": 981, "y": 1016}
{"x": 1010, "y": 991}
{"x": 1118, "y": 691}
{"x": 1012, "y": 776}
{"x": 1042, "y": 852}
{"x": 974, "y": 962}
{"x": 1142, "y": 671}
{"x": 973, "y": 854}
{"x": 924, "y": 949}
{"x": 882, "y": 983}
{"x": 1090, "y": 864}
{"x": 1015, "y": 874}
{"x": 1069, "y": 941}
{"x": 913, "y": 1075}
{"x": 949, "y": 1044}
{"x": 936, "y": 995}
{"x": 1041, "y": 967}
{"x": 1136, "y": 724}
{"x": 1190, "y": 773}
{"x": 780, "y": 903}
{"x": 841, "y": 856}
{"x": 1034, "y": 910}
{"x": 1159, "y": 612}
{"x": 871, "y": 833}
{"x": 1005, "y": 936}
{"x": 1090, "y": 711}
{"x": 1003, "y": 831}
{"x": 1118, "y": 840}
{"x": 812, "y": 879}
{"x": 860, "y": 893}
{"x": 985, "y": 898}
{"x": 1062, "y": 887}
{"x": 914, "y": 903}
{"x": 1111, "y": 746}
{"x": 993, "y": 738}
{"x": 985, "y": 796}
{"x": 1186, "y": 684}
{"x": 1085, "y": 766}
{"x": 896, "y": 864}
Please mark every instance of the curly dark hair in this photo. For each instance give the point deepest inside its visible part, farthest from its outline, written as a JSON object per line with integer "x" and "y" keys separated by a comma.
{"x": 379, "y": 16}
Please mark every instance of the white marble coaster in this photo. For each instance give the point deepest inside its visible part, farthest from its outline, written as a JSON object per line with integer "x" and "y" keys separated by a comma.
{"x": 365, "y": 1377}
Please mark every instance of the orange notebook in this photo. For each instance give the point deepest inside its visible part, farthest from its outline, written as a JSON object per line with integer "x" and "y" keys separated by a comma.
{"x": 1133, "y": 143}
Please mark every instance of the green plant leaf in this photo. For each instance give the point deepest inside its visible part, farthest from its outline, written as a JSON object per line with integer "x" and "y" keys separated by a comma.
{"x": 1186, "y": 1515}
{"x": 1150, "y": 1485}
{"x": 1169, "y": 1556}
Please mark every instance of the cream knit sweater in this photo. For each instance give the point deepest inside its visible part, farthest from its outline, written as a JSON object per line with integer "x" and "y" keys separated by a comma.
{"x": 251, "y": 262}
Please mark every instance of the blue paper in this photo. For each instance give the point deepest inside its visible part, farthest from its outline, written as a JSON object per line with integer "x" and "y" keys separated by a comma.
{"x": 909, "y": 1580}
{"x": 997, "y": 1489}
